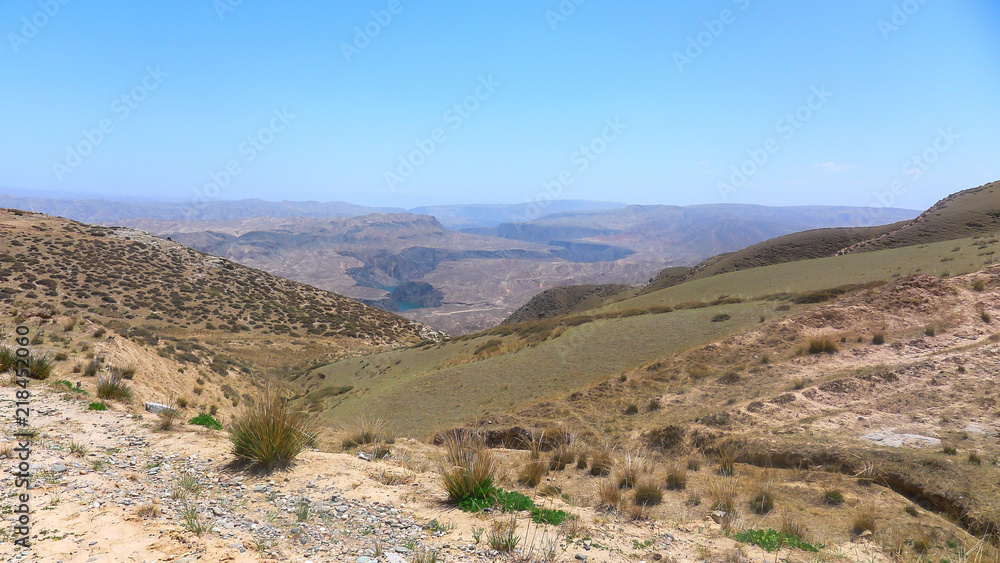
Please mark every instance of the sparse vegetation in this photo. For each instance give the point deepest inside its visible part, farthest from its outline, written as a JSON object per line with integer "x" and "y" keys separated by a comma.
{"x": 822, "y": 345}
{"x": 111, "y": 387}
{"x": 206, "y": 420}
{"x": 268, "y": 434}
{"x": 833, "y": 497}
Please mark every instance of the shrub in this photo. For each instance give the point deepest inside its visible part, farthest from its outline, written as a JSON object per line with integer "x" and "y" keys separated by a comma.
{"x": 653, "y": 405}
{"x": 648, "y": 492}
{"x": 929, "y": 330}
{"x": 207, "y": 421}
{"x": 878, "y": 338}
{"x": 985, "y": 317}
{"x": 112, "y": 388}
{"x": 833, "y": 497}
{"x": 268, "y": 434}
{"x": 975, "y": 459}
{"x": 979, "y": 284}
{"x": 822, "y": 345}
{"x": 949, "y": 450}
{"x": 677, "y": 478}
{"x": 97, "y": 407}
{"x": 632, "y": 409}
{"x": 469, "y": 468}
{"x": 721, "y": 317}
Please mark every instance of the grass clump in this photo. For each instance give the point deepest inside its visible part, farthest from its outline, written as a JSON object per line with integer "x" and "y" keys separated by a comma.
{"x": 369, "y": 430}
{"x": 601, "y": 463}
{"x": 727, "y": 463}
{"x": 822, "y": 345}
{"x": 833, "y": 497}
{"x": 502, "y": 535}
{"x": 40, "y": 367}
{"x": 268, "y": 434}
{"x": 677, "y": 478}
{"x": 627, "y": 473}
{"x": 532, "y": 472}
{"x": 167, "y": 419}
{"x": 609, "y": 496}
{"x": 762, "y": 500}
{"x": 469, "y": 468}
{"x": 206, "y": 420}
{"x": 97, "y": 407}
{"x": 723, "y": 492}
{"x": 770, "y": 540}
{"x": 878, "y": 338}
{"x": 864, "y": 518}
{"x": 648, "y": 492}
{"x": 112, "y": 387}
{"x": 8, "y": 360}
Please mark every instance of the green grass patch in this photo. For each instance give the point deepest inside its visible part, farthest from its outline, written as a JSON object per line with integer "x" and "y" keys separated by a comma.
{"x": 97, "y": 407}
{"x": 69, "y": 387}
{"x": 771, "y": 540}
{"x": 206, "y": 420}
{"x": 512, "y": 501}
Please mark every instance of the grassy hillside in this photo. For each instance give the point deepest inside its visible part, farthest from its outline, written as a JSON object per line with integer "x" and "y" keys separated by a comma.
{"x": 422, "y": 390}
{"x": 561, "y": 301}
{"x": 963, "y": 214}
{"x": 806, "y": 245}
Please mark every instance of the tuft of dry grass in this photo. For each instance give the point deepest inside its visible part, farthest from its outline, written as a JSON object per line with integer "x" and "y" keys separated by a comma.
{"x": 676, "y": 478}
{"x": 532, "y": 472}
{"x": 648, "y": 492}
{"x": 609, "y": 496}
{"x": 469, "y": 468}
{"x": 113, "y": 388}
{"x": 822, "y": 345}
{"x": 581, "y": 460}
{"x": 268, "y": 434}
{"x": 369, "y": 429}
{"x": 724, "y": 491}
{"x": 626, "y": 473}
{"x": 167, "y": 418}
{"x": 601, "y": 462}
{"x": 149, "y": 510}
{"x": 864, "y": 517}
{"x": 762, "y": 496}
{"x": 727, "y": 463}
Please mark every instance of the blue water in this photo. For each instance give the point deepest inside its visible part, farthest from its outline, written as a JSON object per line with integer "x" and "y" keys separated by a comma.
{"x": 403, "y": 305}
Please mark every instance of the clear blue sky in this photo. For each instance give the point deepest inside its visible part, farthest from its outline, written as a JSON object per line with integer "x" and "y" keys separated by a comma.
{"x": 352, "y": 114}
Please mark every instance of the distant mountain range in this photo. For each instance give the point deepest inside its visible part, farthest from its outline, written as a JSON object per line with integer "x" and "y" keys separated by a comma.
{"x": 451, "y": 216}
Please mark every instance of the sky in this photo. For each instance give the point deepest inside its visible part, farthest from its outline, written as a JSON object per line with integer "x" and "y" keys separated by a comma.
{"x": 400, "y": 103}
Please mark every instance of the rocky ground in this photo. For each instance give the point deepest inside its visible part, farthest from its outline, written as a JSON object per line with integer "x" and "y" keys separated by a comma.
{"x": 109, "y": 486}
